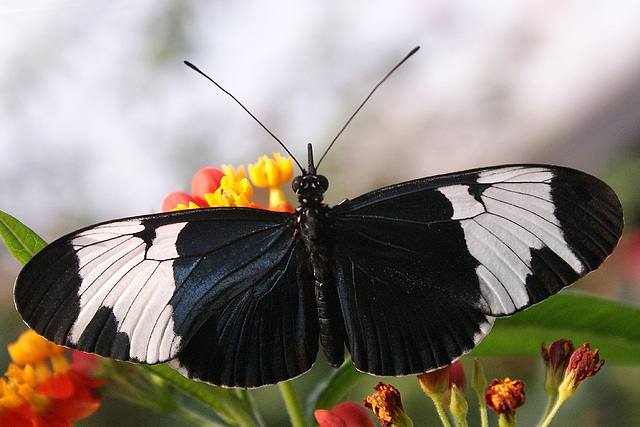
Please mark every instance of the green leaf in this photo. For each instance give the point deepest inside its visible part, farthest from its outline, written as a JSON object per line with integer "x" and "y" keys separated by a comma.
{"x": 21, "y": 241}
{"x": 611, "y": 327}
{"x": 225, "y": 402}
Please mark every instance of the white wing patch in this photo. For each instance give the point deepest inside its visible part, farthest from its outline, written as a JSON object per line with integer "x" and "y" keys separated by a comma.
{"x": 120, "y": 271}
{"x": 485, "y": 328}
{"x": 164, "y": 245}
{"x": 515, "y": 214}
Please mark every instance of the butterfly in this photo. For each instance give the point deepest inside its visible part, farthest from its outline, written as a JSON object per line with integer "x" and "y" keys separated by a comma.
{"x": 408, "y": 278}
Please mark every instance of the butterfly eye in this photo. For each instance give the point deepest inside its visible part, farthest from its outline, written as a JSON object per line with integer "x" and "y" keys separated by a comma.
{"x": 324, "y": 182}
{"x": 296, "y": 183}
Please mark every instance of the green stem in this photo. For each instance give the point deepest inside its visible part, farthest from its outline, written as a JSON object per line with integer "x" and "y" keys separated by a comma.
{"x": 484, "y": 417}
{"x": 507, "y": 420}
{"x": 441, "y": 414}
{"x": 551, "y": 397}
{"x": 293, "y": 405}
{"x": 553, "y": 412}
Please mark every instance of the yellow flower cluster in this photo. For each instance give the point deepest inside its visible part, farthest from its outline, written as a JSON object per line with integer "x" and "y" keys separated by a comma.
{"x": 231, "y": 193}
{"x": 271, "y": 173}
{"x": 229, "y": 187}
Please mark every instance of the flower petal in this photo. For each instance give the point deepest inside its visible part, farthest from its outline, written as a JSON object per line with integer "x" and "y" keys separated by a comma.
{"x": 31, "y": 348}
{"x": 327, "y": 418}
{"x": 175, "y": 199}
{"x": 206, "y": 180}
{"x": 354, "y": 415}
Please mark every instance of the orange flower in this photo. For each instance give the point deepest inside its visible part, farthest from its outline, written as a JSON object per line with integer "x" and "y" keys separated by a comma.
{"x": 43, "y": 388}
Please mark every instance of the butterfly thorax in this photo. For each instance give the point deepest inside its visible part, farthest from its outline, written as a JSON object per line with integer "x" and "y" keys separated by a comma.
{"x": 311, "y": 216}
{"x": 310, "y": 188}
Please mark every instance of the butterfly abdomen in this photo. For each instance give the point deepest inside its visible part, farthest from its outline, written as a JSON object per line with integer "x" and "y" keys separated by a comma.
{"x": 312, "y": 219}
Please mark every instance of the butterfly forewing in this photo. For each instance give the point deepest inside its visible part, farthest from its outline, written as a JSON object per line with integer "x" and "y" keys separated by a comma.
{"x": 421, "y": 267}
{"x": 140, "y": 289}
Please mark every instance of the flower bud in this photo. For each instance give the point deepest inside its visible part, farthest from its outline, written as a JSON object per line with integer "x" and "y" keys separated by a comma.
{"x": 435, "y": 383}
{"x": 177, "y": 200}
{"x": 206, "y": 180}
{"x": 345, "y": 414}
{"x": 556, "y": 357}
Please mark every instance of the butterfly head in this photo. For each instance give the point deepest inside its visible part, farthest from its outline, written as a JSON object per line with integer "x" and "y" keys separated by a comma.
{"x": 310, "y": 187}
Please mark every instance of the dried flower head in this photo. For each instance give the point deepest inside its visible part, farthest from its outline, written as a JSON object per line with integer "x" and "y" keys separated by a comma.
{"x": 387, "y": 405}
{"x": 504, "y": 396}
{"x": 582, "y": 364}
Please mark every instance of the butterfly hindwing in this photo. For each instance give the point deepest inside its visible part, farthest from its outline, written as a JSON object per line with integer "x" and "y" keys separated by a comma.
{"x": 141, "y": 288}
{"x": 264, "y": 335}
{"x": 426, "y": 264}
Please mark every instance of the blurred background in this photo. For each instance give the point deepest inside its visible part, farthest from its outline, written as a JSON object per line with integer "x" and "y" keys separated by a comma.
{"x": 99, "y": 119}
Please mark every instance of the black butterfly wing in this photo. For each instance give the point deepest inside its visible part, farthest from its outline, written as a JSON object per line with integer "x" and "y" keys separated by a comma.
{"x": 423, "y": 266}
{"x": 226, "y": 290}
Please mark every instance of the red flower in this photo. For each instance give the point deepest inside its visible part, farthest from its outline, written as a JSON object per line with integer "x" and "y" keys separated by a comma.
{"x": 346, "y": 414}
{"x": 457, "y": 376}
{"x": 177, "y": 198}
{"x": 206, "y": 180}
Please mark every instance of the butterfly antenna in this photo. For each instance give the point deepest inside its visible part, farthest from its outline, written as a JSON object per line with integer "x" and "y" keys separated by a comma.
{"x": 190, "y": 65}
{"x": 414, "y": 50}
